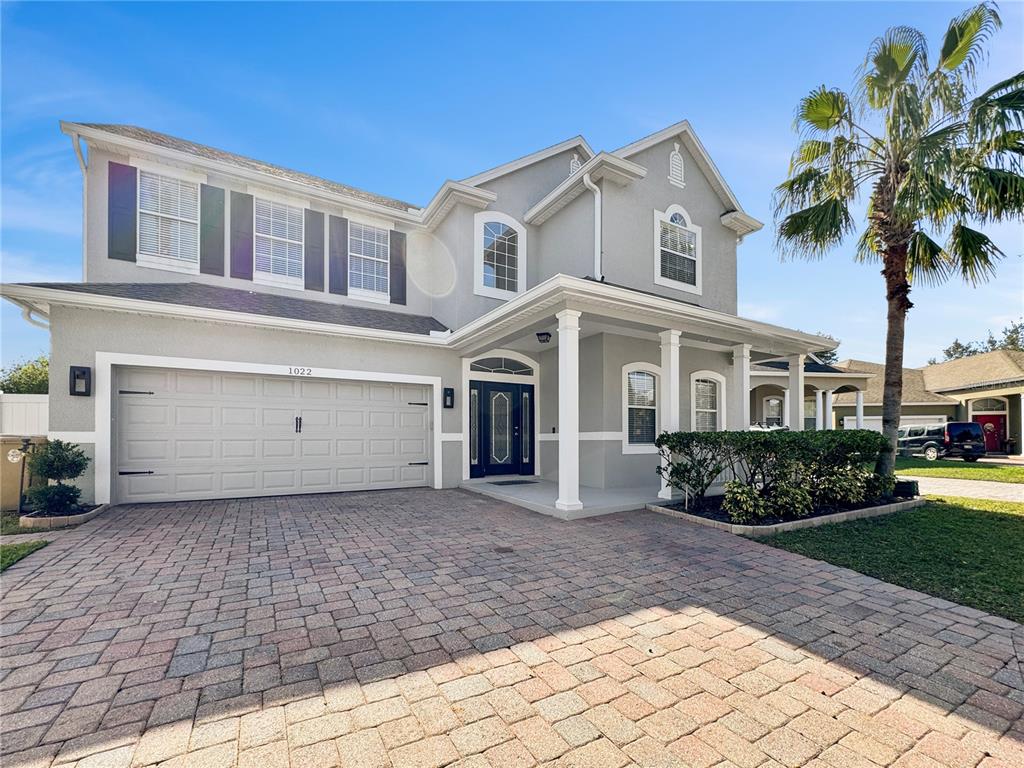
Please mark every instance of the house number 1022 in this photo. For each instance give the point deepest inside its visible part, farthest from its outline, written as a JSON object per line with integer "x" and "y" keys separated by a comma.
{"x": 300, "y": 371}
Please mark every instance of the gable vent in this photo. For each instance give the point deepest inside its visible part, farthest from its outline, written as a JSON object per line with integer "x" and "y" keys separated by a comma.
{"x": 574, "y": 164}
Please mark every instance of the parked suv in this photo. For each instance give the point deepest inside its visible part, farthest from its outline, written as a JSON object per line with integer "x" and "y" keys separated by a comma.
{"x": 955, "y": 439}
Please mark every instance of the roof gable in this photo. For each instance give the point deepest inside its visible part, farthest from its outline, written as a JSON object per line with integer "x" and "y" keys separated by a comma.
{"x": 576, "y": 142}
{"x": 987, "y": 368}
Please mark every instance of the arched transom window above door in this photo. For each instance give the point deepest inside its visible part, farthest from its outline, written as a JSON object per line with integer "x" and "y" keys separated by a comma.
{"x": 501, "y": 365}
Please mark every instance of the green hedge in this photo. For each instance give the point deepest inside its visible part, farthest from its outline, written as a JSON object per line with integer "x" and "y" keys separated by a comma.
{"x": 777, "y": 474}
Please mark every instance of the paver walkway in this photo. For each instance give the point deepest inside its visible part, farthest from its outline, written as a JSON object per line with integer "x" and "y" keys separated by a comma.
{"x": 972, "y": 489}
{"x": 430, "y": 628}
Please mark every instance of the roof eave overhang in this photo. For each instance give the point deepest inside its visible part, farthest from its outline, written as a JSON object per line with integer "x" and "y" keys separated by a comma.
{"x": 576, "y": 142}
{"x": 602, "y": 166}
{"x": 41, "y": 299}
{"x": 999, "y": 383}
{"x": 451, "y": 194}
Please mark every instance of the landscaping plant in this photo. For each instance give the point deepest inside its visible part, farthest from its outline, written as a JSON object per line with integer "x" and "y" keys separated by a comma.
{"x": 56, "y": 461}
{"x": 933, "y": 160}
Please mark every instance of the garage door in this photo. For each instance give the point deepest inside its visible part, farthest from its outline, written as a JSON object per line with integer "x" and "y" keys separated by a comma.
{"x": 875, "y": 422}
{"x": 206, "y": 435}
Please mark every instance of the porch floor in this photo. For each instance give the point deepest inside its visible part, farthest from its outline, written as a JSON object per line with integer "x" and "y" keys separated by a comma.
{"x": 539, "y": 495}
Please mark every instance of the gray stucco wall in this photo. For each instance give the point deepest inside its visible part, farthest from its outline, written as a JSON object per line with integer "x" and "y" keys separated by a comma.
{"x": 628, "y": 230}
{"x": 77, "y": 334}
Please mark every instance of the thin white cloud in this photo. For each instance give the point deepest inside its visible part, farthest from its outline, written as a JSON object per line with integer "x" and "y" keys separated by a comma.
{"x": 23, "y": 267}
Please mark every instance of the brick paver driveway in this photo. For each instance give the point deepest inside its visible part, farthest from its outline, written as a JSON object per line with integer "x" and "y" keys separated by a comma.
{"x": 431, "y": 628}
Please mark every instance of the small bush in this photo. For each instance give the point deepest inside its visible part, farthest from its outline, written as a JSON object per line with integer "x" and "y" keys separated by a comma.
{"x": 839, "y": 486}
{"x": 694, "y": 460}
{"x": 789, "y": 502}
{"x": 55, "y": 500}
{"x": 879, "y": 487}
{"x": 743, "y": 503}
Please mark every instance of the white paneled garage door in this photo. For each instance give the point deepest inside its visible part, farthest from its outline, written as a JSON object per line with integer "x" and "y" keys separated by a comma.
{"x": 206, "y": 435}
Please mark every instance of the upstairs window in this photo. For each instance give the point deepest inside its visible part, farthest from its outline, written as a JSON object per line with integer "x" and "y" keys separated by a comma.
{"x": 369, "y": 261}
{"x": 678, "y": 256}
{"x": 168, "y": 219}
{"x": 500, "y": 255}
{"x": 675, "y": 167}
{"x": 278, "y": 242}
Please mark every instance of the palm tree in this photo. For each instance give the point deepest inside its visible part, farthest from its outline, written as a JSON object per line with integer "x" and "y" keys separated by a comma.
{"x": 933, "y": 161}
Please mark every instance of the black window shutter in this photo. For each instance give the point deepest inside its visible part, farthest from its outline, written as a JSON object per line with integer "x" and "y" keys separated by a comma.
{"x": 338, "y": 256}
{"x": 241, "y": 235}
{"x": 211, "y": 233}
{"x": 313, "y": 258}
{"x": 122, "y": 211}
{"x": 396, "y": 276}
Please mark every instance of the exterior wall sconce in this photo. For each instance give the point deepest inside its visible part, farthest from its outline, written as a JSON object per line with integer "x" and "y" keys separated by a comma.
{"x": 80, "y": 381}
{"x": 543, "y": 337}
{"x": 449, "y": 397}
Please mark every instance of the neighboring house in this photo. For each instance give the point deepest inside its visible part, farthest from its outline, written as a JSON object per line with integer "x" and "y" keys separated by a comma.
{"x": 985, "y": 388}
{"x": 245, "y": 330}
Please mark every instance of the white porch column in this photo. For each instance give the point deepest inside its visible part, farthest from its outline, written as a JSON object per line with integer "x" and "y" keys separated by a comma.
{"x": 568, "y": 411}
{"x": 859, "y": 408}
{"x": 668, "y": 403}
{"x": 740, "y": 413}
{"x": 795, "y": 392}
{"x": 828, "y": 410}
{"x": 786, "y": 416}
{"x": 819, "y": 410}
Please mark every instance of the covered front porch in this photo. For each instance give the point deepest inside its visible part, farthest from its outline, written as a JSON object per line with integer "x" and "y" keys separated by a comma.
{"x": 563, "y": 396}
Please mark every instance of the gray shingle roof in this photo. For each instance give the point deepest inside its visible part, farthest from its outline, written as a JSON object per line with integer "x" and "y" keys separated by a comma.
{"x": 201, "y": 150}
{"x": 252, "y": 302}
{"x": 914, "y": 389}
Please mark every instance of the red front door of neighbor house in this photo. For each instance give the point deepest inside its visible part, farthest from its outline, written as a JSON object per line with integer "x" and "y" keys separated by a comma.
{"x": 994, "y": 428}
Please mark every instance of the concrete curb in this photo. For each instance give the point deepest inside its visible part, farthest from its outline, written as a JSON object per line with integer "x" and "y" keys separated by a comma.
{"x": 27, "y": 521}
{"x": 790, "y": 525}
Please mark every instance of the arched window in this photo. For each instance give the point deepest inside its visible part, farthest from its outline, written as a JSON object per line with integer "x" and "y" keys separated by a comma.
{"x": 707, "y": 401}
{"x": 675, "y": 167}
{"x": 678, "y": 250}
{"x": 773, "y": 411}
{"x": 988, "y": 404}
{"x": 500, "y": 255}
{"x": 501, "y": 365}
{"x": 640, "y": 407}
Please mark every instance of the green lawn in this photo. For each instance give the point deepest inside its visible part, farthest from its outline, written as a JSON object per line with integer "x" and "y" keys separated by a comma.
{"x": 960, "y": 470}
{"x": 969, "y": 551}
{"x": 9, "y": 524}
{"x": 12, "y": 553}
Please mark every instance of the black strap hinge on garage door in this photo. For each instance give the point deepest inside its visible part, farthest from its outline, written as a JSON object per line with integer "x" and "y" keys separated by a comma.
{"x": 417, "y": 403}
{"x": 138, "y": 472}
{"x": 132, "y": 392}
{"x": 418, "y": 463}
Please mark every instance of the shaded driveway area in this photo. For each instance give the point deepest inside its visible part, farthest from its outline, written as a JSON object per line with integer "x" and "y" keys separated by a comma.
{"x": 430, "y": 628}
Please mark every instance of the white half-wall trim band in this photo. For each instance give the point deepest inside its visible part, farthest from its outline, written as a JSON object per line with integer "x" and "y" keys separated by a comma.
{"x": 594, "y": 437}
{"x": 105, "y": 362}
{"x": 451, "y": 437}
{"x": 72, "y": 437}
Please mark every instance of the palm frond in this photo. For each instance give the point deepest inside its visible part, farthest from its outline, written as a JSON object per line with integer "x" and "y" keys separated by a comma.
{"x": 811, "y": 231}
{"x": 964, "y": 44}
{"x": 972, "y": 254}
{"x": 927, "y": 261}
{"x": 996, "y": 194}
{"x": 809, "y": 152}
{"x": 869, "y": 247}
{"x": 823, "y": 110}
{"x": 893, "y": 59}
{"x": 1000, "y": 108}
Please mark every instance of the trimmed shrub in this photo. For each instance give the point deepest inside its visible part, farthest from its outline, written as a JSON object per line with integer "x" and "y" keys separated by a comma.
{"x": 789, "y": 502}
{"x": 743, "y": 503}
{"x": 694, "y": 460}
{"x": 879, "y": 487}
{"x": 56, "y": 461}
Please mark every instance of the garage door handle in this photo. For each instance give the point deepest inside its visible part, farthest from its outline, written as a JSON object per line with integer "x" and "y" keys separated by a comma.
{"x": 417, "y": 403}
{"x": 132, "y": 392}
{"x": 298, "y": 425}
{"x": 141, "y": 472}
{"x": 418, "y": 463}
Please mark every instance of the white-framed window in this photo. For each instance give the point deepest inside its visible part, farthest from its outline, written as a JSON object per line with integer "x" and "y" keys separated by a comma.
{"x": 675, "y": 167}
{"x": 369, "y": 261}
{"x": 168, "y": 234}
{"x": 279, "y": 231}
{"x": 772, "y": 407}
{"x": 677, "y": 257}
{"x": 707, "y": 401}
{"x": 499, "y": 255}
{"x": 640, "y": 419}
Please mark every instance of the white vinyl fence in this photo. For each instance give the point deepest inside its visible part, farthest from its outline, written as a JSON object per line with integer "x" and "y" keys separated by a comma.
{"x": 24, "y": 415}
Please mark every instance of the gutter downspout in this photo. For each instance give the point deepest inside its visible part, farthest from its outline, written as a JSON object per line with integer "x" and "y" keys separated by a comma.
{"x": 77, "y": 143}
{"x": 27, "y": 311}
{"x": 589, "y": 184}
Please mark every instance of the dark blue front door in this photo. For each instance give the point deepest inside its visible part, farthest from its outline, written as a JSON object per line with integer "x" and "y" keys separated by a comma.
{"x": 504, "y": 427}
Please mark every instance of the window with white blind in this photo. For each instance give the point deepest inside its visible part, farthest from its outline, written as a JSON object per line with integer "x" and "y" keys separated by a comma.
{"x": 707, "y": 401}
{"x": 368, "y": 261}
{"x": 677, "y": 258}
{"x": 278, "y": 242}
{"x": 168, "y": 221}
{"x": 639, "y": 407}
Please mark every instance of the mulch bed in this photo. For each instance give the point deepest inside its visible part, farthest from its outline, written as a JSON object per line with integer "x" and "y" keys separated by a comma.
{"x": 710, "y": 508}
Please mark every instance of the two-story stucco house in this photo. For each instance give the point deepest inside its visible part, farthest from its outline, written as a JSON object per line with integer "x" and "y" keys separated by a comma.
{"x": 246, "y": 330}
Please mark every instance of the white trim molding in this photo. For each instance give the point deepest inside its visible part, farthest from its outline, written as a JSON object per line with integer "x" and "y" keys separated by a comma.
{"x": 104, "y": 399}
{"x": 664, "y": 217}
{"x": 655, "y": 371}
{"x": 721, "y": 399}
{"x": 480, "y": 220}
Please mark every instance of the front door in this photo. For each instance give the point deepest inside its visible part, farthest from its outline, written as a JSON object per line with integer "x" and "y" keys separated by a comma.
{"x": 994, "y": 427}
{"x": 504, "y": 427}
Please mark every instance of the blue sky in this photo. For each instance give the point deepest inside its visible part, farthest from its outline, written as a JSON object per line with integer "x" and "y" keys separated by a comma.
{"x": 396, "y": 98}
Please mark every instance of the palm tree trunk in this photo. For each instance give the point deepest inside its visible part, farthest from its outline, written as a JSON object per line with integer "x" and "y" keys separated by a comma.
{"x": 897, "y": 290}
